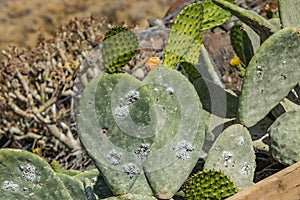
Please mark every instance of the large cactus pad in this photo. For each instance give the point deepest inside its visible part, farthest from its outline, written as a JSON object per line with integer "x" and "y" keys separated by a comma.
{"x": 24, "y": 175}
{"x": 285, "y": 138}
{"x": 133, "y": 130}
{"x": 289, "y": 13}
{"x": 233, "y": 154}
{"x": 270, "y": 76}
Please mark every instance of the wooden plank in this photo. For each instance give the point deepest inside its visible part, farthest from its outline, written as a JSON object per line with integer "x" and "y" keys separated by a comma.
{"x": 284, "y": 185}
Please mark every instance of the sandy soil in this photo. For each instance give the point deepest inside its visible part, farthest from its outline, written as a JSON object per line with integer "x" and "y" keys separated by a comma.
{"x": 21, "y": 21}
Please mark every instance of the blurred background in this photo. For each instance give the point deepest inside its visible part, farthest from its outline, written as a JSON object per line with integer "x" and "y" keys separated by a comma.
{"x": 21, "y": 21}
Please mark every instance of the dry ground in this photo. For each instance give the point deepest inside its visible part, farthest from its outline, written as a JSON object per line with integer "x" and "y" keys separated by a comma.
{"x": 21, "y": 21}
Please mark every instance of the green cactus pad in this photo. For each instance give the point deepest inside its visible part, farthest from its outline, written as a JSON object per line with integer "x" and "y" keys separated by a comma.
{"x": 179, "y": 142}
{"x": 74, "y": 186}
{"x": 127, "y": 126}
{"x": 270, "y": 76}
{"x": 55, "y": 166}
{"x": 285, "y": 138}
{"x": 209, "y": 184}
{"x": 260, "y": 25}
{"x": 253, "y": 36}
{"x": 276, "y": 22}
{"x": 207, "y": 67}
{"x": 25, "y": 175}
{"x": 97, "y": 183}
{"x": 241, "y": 43}
{"x": 119, "y": 46}
{"x": 289, "y": 13}
{"x": 216, "y": 99}
{"x": 190, "y": 70}
{"x": 114, "y": 31}
{"x": 185, "y": 38}
{"x": 112, "y": 162}
{"x": 233, "y": 153}
{"x": 214, "y": 15}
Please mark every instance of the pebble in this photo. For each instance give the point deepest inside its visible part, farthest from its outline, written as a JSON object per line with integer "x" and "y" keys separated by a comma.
{"x": 139, "y": 73}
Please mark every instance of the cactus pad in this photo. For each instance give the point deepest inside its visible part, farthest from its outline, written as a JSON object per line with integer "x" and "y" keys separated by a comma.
{"x": 74, "y": 186}
{"x": 270, "y": 76}
{"x": 285, "y": 138}
{"x": 214, "y": 15}
{"x": 233, "y": 154}
{"x": 289, "y": 13}
{"x": 98, "y": 187}
{"x": 133, "y": 130}
{"x": 185, "y": 37}
{"x": 260, "y": 25}
{"x": 119, "y": 46}
{"x": 241, "y": 43}
{"x": 209, "y": 184}
{"x": 25, "y": 175}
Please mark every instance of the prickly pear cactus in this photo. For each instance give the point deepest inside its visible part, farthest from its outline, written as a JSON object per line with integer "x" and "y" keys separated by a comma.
{"x": 133, "y": 130}
{"x": 74, "y": 186}
{"x": 119, "y": 46}
{"x": 289, "y": 13}
{"x": 216, "y": 99}
{"x": 209, "y": 184}
{"x": 233, "y": 153}
{"x": 261, "y": 26}
{"x": 214, "y": 15}
{"x": 24, "y": 175}
{"x": 274, "y": 64}
{"x": 285, "y": 138}
{"x": 55, "y": 166}
{"x": 98, "y": 187}
{"x": 207, "y": 67}
{"x": 185, "y": 38}
{"x": 241, "y": 43}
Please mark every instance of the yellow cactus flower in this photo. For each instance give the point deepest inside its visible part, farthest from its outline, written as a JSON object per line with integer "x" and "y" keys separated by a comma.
{"x": 235, "y": 61}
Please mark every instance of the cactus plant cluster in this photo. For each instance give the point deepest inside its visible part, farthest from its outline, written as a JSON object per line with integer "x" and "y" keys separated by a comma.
{"x": 145, "y": 137}
{"x": 269, "y": 50}
{"x": 139, "y": 133}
